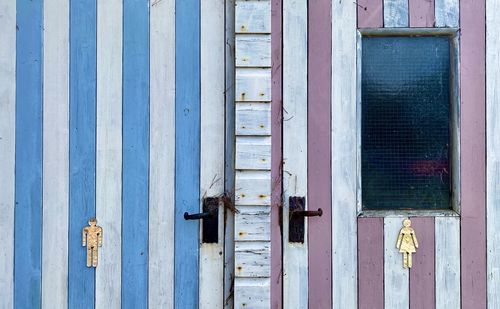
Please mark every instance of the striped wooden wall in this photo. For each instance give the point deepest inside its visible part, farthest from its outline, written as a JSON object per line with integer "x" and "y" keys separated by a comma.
{"x": 348, "y": 260}
{"x": 115, "y": 110}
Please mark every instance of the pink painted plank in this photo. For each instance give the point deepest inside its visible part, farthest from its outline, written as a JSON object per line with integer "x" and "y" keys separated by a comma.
{"x": 371, "y": 263}
{"x": 276, "y": 155}
{"x": 421, "y": 13}
{"x": 319, "y": 153}
{"x": 422, "y": 283}
{"x": 472, "y": 163}
{"x": 370, "y": 13}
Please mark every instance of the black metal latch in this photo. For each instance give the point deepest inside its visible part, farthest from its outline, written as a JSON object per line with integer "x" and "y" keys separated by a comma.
{"x": 296, "y": 216}
{"x": 210, "y": 216}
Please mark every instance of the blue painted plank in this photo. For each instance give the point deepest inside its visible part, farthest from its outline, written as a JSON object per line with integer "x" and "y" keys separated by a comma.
{"x": 135, "y": 154}
{"x": 82, "y": 147}
{"x": 187, "y": 151}
{"x": 28, "y": 183}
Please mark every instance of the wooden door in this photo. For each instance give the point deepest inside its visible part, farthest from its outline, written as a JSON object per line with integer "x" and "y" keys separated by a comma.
{"x": 115, "y": 110}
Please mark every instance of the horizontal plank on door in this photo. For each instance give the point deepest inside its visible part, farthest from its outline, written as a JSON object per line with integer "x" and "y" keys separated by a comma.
{"x": 253, "y": 152}
{"x": 253, "y": 17}
{"x": 253, "y": 119}
{"x": 253, "y": 50}
{"x": 252, "y": 258}
{"x": 251, "y": 293}
{"x": 253, "y": 188}
{"x": 253, "y": 223}
{"x": 253, "y": 84}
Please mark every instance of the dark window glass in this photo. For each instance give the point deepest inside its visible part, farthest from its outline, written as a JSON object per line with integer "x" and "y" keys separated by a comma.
{"x": 405, "y": 105}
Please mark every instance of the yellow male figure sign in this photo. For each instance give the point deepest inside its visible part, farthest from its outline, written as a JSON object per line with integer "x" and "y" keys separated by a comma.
{"x": 407, "y": 243}
{"x": 92, "y": 238}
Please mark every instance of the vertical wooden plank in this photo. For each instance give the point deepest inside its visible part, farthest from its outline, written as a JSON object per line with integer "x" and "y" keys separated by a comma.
{"x": 447, "y": 13}
{"x": 422, "y": 283}
{"x": 295, "y": 256}
{"x": 82, "y": 145}
{"x": 370, "y": 13}
{"x": 212, "y": 48}
{"x": 7, "y": 148}
{"x": 28, "y": 180}
{"x": 472, "y": 161}
{"x": 371, "y": 263}
{"x": 447, "y": 242}
{"x": 276, "y": 154}
{"x": 162, "y": 154}
{"x": 395, "y": 13}
{"x": 135, "y": 208}
{"x": 187, "y": 151}
{"x": 421, "y": 13}
{"x": 109, "y": 152}
{"x": 344, "y": 223}
{"x": 55, "y": 154}
{"x": 229, "y": 228}
{"x": 396, "y": 278}
{"x": 493, "y": 153}
{"x": 319, "y": 152}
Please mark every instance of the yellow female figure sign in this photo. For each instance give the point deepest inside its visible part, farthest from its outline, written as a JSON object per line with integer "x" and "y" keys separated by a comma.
{"x": 407, "y": 243}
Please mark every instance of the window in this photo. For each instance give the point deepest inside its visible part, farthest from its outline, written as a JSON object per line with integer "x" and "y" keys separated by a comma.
{"x": 407, "y": 119}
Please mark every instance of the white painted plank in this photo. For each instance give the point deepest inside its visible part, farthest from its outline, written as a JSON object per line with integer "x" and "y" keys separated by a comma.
{"x": 447, "y": 259}
{"x": 253, "y": 16}
{"x": 55, "y": 154}
{"x": 252, "y": 293}
{"x": 7, "y": 148}
{"x": 447, "y": 13}
{"x": 253, "y": 152}
{"x": 253, "y": 84}
{"x": 253, "y": 259}
{"x": 229, "y": 156}
{"x": 253, "y": 118}
{"x": 344, "y": 224}
{"x": 493, "y": 153}
{"x": 396, "y": 278}
{"x": 253, "y": 50}
{"x": 212, "y": 146}
{"x": 109, "y": 152}
{"x": 396, "y": 13}
{"x": 253, "y": 223}
{"x": 295, "y": 255}
{"x": 162, "y": 155}
{"x": 253, "y": 188}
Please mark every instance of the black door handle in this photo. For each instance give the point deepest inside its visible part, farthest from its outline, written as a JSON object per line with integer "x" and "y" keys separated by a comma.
{"x": 296, "y": 214}
{"x": 307, "y": 213}
{"x": 210, "y": 217}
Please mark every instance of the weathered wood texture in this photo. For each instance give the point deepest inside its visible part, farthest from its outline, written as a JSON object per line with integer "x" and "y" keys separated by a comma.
{"x": 422, "y": 274}
{"x": 229, "y": 226}
{"x": 396, "y": 278}
{"x": 370, "y": 13}
{"x": 276, "y": 155}
{"x": 253, "y": 153}
{"x": 472, "y": 161}
{"x": 421, "y": 13}
{"x": 162, "y": 155}
{"x": 187, "y": 151}
{"x": 295, "y": 255}
{"x": 319, "y": 153}
{"x": 396, "y": 13}
{"x": 447, "y": 244}
{"x": 82, "y": 147}
{"x": 344, "y": 213}
{"x": 212, "y": 68}
{"x": 28, "y": 156}
{"x": 7, "y": 148}
{"x": 447, "y": 13}
{"x": 493, "y": 153}
{"x": 371, "y": 263}
{"x": 55, "y": 155}
{"x": 109, "y": 152}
